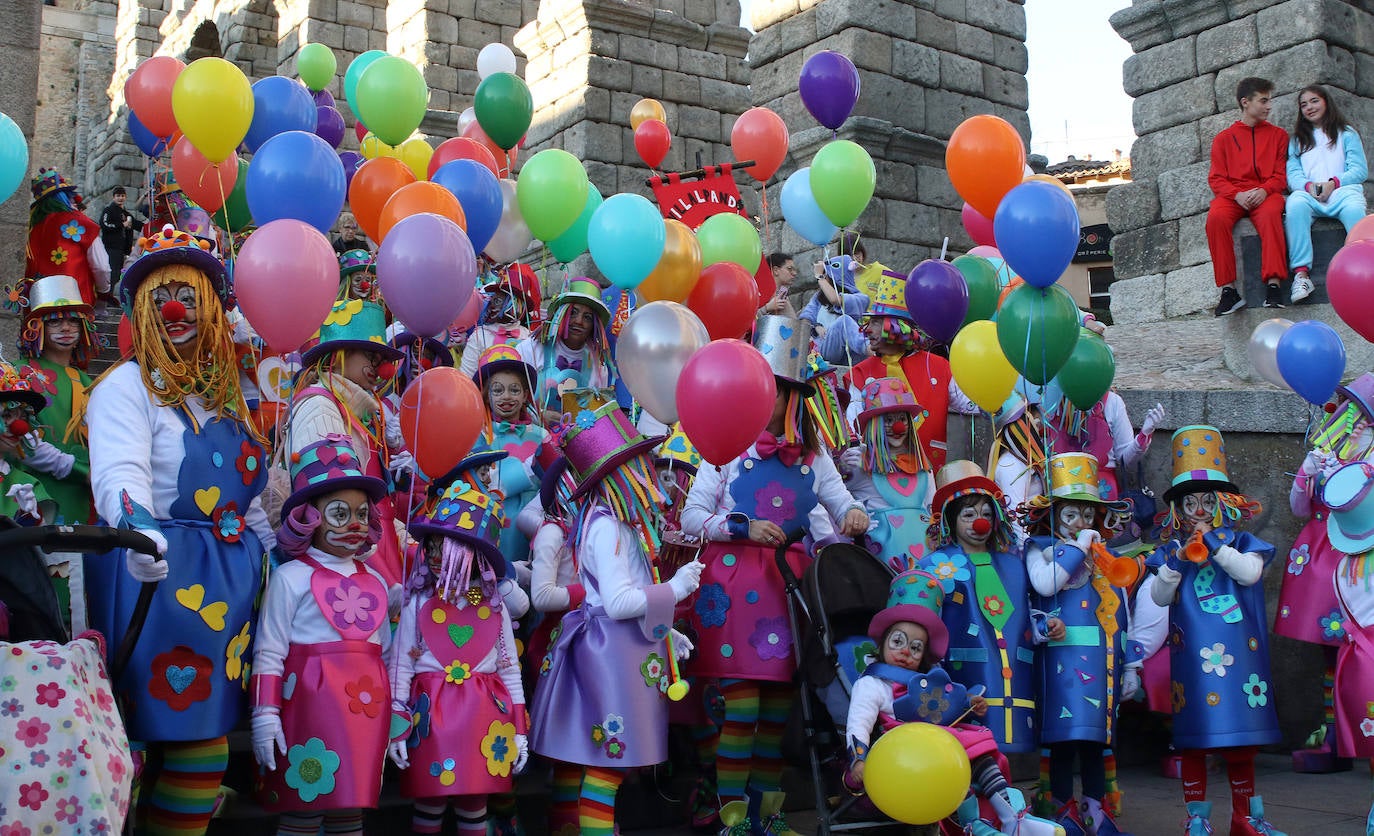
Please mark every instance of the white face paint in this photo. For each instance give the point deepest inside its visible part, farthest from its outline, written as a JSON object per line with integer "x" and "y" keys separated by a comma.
{"x": 966, "y": 527}
{"x": 63, "y": 332}
{"x": 183, "y": 330}
{"x": 1200, "y": 507}
{"x": 905, "y": 645}
{"x": 1075, "y": 517}
{"x": 507, "y": 396}
{"x": 344, "y": 517}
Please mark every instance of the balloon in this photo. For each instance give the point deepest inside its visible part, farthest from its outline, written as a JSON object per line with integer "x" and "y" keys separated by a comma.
{"x": 392, "y": 99}
{"x": 842, "y": 180}
{"x": 654, "y": 345}
{"x": 323, "y": 98}
{"x": 213, "y": 103}
{"x": 360, "y": 130}
{"x": 296, "y": 175}
{"x": 725, "y": 299}
{"x": 645, "y": 109}
{"x": 1052, "y": 180}
{"x": 1263, "y": 349}
{"x": 286, "y": 277}
{"x": 552, "y": 190}
{"x": 1311, "y": 358}
{"x": 149, "y": 93}
{"x": 1087, "y": 374}
{"x": 937, "y": 297}
{"x": 504, "y": 108}
{"x": 373, "y": 185}
{"x": 351, "y": 161}
{"x": 150, "y": 145}
{"x": 1350, "y": 284}
{"x": 652, "y": 141}
{"x": 1006, "y": 291}
{"x": 427, "y": 269}
{"x": 372, "y": 148}
{"x": 505, "y": 157}
{"x": 441, "y": 415}
{"x": 355, "y": 71}
{"x": 414, "y": 198}
{"x": 726, "y": 236}
{"x": 207, "y": 183}
{"x": 14, "y": 156}
{"x": 316, "y": 65}
{"x": 980, "y": 277}
{"x": 800, "y": 211}
{"x": 978, "y": 227}
{"x": 462, "y": 148}
{"x": 1037, "y": 329}
{"x": 329, "y": 125}
{"x": 829, "y": 87}
{"x": 979, "y": 366}
{"x": 573, "y": 242}
{"x": 1363, "y": 230}
{"x": 124, "y": 336}
{"x": 760, "y": 135}
{"x": 915, "y": 755}
{"x": 281, "y": 104}
{"x": 726, "y": 376}
{"x": 985, "y": 159}
{"x": 467, "y": 117}
{"x": 495, "y": 58}
{"x": 512, "y": 235}
{"x": 677, "y": 271}
{"x": 623, "y": 218}
{"x": 467, "y": 317}
{"x": 235, "y": 215}
{"x": 478, "y": 192}
{"x": 415, "y": 152}
{"x": 1037, "y": 231}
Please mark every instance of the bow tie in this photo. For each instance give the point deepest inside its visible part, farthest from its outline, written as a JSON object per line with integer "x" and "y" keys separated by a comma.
{"x": 767, "y": 447}
{"x": 510, "y": 428}
{"x": 564, "y": 364}
{"x": 507, "y": 335}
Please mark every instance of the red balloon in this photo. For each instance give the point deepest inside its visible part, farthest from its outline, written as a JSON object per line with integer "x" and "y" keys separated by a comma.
{"x": 149, "y": 92}
{"x": 978, "y": 227}
{"x": 652, "y": 141}
{"x": 462, "y": 148}
{"x": 764, "y": 281}
{"x": 725, "y": 299}
{"x": 441, "y": 415}
{"x": 760, "y": 135}
{"x": 505, "y": 160}
{"x": 1363, "y": 230}
{"x": 726, "y": 377}
{"x": 207, "y": 183}
{"x": 359, "y": 130}
{"x": 1350, "y": 284}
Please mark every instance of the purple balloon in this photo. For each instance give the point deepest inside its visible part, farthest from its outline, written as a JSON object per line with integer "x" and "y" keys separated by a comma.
{"x": 323, "y": 98}
{"x": 329, "y": 125}
{"x": 829, "y": 87}
{"x": 427, "y": 270}
{"x": 937, "y": 296}
{"x": 351, "y": 160}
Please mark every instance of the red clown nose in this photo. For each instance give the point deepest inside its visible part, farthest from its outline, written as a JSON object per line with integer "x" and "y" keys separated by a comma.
{"x": 19, "y": 427}
{"x": 899, "y": 427}
{"x": 173, "y": 311}
{"x": 982, "y": 526}
{"x": 386, "y": 370}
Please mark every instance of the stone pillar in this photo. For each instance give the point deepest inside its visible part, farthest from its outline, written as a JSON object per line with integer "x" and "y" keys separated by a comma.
{"x": 924, "y": 67}
{"x": 74, "y": 70}
{"x": 20, "y": 25}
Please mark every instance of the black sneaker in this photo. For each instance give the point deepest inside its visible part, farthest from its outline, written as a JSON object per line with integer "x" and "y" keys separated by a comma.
{"x": 1230, "y": 301}
{"x": 1273, "y": 296}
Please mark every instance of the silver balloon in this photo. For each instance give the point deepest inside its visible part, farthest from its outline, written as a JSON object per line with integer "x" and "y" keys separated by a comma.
{"x": 655, "y": 343}
{"x": 512, "y": 236}
{"x": 1263, "y": 349}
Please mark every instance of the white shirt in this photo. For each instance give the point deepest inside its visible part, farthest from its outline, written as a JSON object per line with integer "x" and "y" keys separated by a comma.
{"x": 552, "y": 570}
{"x": 482, "y": 338}
{"x": 1325, "y": 160}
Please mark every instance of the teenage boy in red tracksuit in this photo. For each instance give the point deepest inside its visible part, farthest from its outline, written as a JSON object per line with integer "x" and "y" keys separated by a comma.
{"x": 1248, "y": 178}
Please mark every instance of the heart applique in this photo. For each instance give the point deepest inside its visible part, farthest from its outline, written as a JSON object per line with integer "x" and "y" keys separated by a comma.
{"x": 207, "y": 499}
{"x": 180, "y": 678}
{"x": 214, "y": 614}
{"x": 904, "y": 485}
{"x": 795, "y": 353}
{"x": 785, "y": 332}
{"x": 524, "y": 450}
{"x": 288, "y": 687}
{"x": 766, "y": 348}
{"x": 678, "y": 444}
{"x": 897, "y": 520}
{"x": 460, "y": 634}
{"x": 466, "y": 521}
{"x": 191, "y": 597}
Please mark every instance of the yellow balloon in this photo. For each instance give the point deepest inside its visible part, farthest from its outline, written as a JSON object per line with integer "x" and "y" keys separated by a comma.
{"x": 1053, "y": 181}
{"x": 679, "y": 268}
{"x": 979, "y": 366}
{"x": 917, "y": 773}
{"x": 647, "y": 109}
{"x": 371, "y": 147}
{"x": 213, "y": 104}
{"x": 415, "y": 152}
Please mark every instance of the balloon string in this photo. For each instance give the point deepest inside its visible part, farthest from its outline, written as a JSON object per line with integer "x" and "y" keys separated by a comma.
{"x": 944, "y": 249}
{"x": 776, "y": 233}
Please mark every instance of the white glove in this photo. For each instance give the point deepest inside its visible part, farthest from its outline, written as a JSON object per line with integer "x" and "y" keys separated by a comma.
{"x": 1086, "y": 538}
{"x": 399, "y": 753}
{"x": 402, "y": 462}
{"x": 522, "y": 752}
{"x": 682, "y": 646}
{"x": 23, "y": 496}
{"x": 46, "y": 458}
{"x": 523, "y": 572}
{"x": 267, "y": 733}
{"x": 686, "y": 580}
{"x": 144, "y": 567}
{"x": 394, "y": 439}
{"x": 1153, "y": 418}
{"x": 1130, "y": 684}
{"x": 852, "y": 460}
{"x": 1316, "y": 462}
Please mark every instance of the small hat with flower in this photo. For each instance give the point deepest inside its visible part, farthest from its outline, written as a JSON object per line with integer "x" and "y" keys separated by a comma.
{"x": 325, "y": 466}
{"x": 352, "y": 261}
{"x": 18, "y": 385}
{"x": 882, "y": 395}
{"x": 916, "y": 596}
{"x": 49, "y": 181}
{"x": 351, "y": 324}
{"x": 464, "y": 511}
{"x": 172, "y": 246}
{"x": 599, "y": 442}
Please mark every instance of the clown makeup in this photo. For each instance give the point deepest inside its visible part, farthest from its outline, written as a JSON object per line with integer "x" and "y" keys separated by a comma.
{"x": 63, "y": 332}
{"x": 344, "y": 517}
{"x": 507, "y": 396}
{"x": 488, "y": 475}
{"x": 434, "y": 552}
{"x": 974, "y": 525}
{"x": 1074, "y": 517}
{"x": 897, "y": 431}
{"x": 17, "y": 418}
{"x": 361, "y": 367}
{"x": 176, "y": 301}
{"x": 362, "y": 284}
{"x": 578, "y": 322}
{"x": 1200, "y": 507}
{"x": 501, "y": 308}
{"x": 904, "y": 645}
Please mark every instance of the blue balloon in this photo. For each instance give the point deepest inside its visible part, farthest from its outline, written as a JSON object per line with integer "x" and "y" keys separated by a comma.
{"x": 478, "y": 192}
{"x": 14, "y": 156}
{"x": 626, "y": 238}
{"x": 150, "y": 145}
{"x": 296, "y": 175}
{"x": 801, "y": 212}
{"x": 1311, "y": 358}
{"x": 280, "y": 104}
{"x": 1037, "y": 232}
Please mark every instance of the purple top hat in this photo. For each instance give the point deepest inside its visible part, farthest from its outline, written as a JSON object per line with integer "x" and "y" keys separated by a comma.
{"x": 326, "y": 466}
{"x": 1360, "y": 391}
{"x": 600, "y": 442}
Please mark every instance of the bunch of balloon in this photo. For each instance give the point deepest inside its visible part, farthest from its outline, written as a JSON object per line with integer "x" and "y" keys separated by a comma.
{"x": 373, "y": 184}
{"x": 573, "y": 241}
{"x": 651, "y": 351}
{"x": 980, "y": 277}
{"x": 296, "y": 175}
{"x": 478, "y": 192}
{"x": 1263, "y": 347}
{"x": 1087, "y": 375}
{"x": 649, "y": 121}
{"x": 623, "y": 218}
{"x": 417, "y": 198}
{"x": 726, "y": 375}
{"x": 678, "y": 271}
{"x": 512, "y": 236}
{"x": 938, "y": 298}
{"x": 427, "y": 270}
{"x": 285, "y": 279}
{"x": 441, "y": 415}
{"x": 149, "y": 94}
{"x": 551, "y": 190}
{"x": 985, "y": 158}
{"x": 1311, "y": 359}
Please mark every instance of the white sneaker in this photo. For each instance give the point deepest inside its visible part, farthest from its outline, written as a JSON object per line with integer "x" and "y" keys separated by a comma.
{"x": 1302, "y": 288}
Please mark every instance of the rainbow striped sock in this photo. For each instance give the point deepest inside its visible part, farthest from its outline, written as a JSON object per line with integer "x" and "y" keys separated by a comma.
{"x": 564, "y": 789}
{"x": 183, "y": 799}
{"x": 736, "y": 750}
{"x": 344, "y": 822}
{"x": 299, "y": 824}
{"x": 775, "y": 701}
{"x": 471, "y": 812}
{"x": 1328, "y": 699}
{"x": 427, "y": 815}
{"x": 596, "y": 806}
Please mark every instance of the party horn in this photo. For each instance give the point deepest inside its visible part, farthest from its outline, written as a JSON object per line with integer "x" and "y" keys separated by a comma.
{"x": 1120, "y": 571}
{"x": 1195, "y": 550}
{"x": 677, "y": 686}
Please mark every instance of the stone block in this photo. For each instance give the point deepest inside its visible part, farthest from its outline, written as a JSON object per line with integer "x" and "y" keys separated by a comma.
{"x": 933, "y": 188}
{"x": 1176, "y": 104}
{"x": 911, "y": 222}
{"x": 961, "y": 75}
{"x": 1189, "y": 290}
{"x": 1009, "y": 54}
{"x": 952, "y": 9}
{"x": 974, "y": 42}
{"x": 479, "y": 33}
{"x": 799, "y": 31}
{"x": 1006, "y": 87}
{"x": 354, "y": 38}
{"x": 895, "y": 180}
{"x": 868, "y": 50}
{"x": 1289, "y": 69}
{"x": 1153, "y": 249}
{"x": 920, "y": 64}
{"x": 442, "y": 28}
{"x": 646, "y": 81}
{"x": 776, "y": 79}
{"x": 646, "y": 51}
{"x": 680, "y": 87}
{"x": 437, "y": 53}
{"x": 765, "y": 45}
{"x": 597, "y": 104}
{"x": 1192, "y": 241}
{"x": 892, "y": 99}
{"x": 699, "y": 63}
{"x": 1364, "y": 74}
{"x": 353, "y": 14}
{"x": 1132, "y": 206}
{"x": 946, "y": 110}
{"x": 1162, "y": 150}
{"x": 698, "y": 123}
{"x": 1160, "y": 66}
{"x": 609, "y": 73}
{"x": 1006, "y": 17}
{"x": 892, "y": 17}
{"x": 440, "y": 77}
{"x": 1184, "y": 191}
{"x": 1282, "y": 25}
{"x": 700, "y": 11}
{"x": 1228, "y": 44}
{"x": 724, "y": 96}
{"x": 1138, "y": 300}
{"x": 503, "y": 14}
{"x": 935, "y": 31}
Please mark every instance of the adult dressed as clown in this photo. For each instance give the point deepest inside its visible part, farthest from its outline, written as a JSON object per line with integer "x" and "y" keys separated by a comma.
{"x": 571, "y": 350}
{"x": 63, "y": 239}
{"x": 512, "y": 300}
{"x": 174, "y": 457}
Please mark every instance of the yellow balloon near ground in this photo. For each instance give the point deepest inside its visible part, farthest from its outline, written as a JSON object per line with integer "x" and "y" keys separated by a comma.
{"x": 371, "y": 147}
{"x": 415, "y": 152}
{"x": 917, "y": 773}
{"x": 979, "y": 366}
{"x": 647, "y": 109}
{"x": 213, "y": 104}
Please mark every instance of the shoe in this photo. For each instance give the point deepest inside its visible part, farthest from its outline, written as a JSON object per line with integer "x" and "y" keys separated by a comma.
{"x": 1230, "y": 301}
{"x": 1253, "y": 824}
{"x": 1199, "y": 821}
{"x": 1069, "y": 819}
{"x": 701, "y": 801}
{"x": 770, "y": 816}
{"x": 735, "y": 819}
{"x": 1016, "y": 820}
{"x": 1273, "y": 296}
{"x": 1302, "y": 287}
{"x": 1318, "y": 757}
{"x": 1098, "y": 821}
{"x": 970, "y": 817}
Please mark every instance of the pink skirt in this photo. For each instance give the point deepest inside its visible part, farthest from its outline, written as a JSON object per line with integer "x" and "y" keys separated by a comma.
{"x": 1307, "y": 599}
{"x": 466, "y": 734}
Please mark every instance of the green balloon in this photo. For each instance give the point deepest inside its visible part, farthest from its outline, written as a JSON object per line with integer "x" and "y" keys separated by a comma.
{"x": 573, "y": 243}
{"x": 504, "y": 107}
{"x": 316, "y": 65}
{"x": 355, "y": 71}
{"x": 552, "y": 192}
{"x": 234, "y": 214}
{"x": 1037, "y": 330}
{"x": 726, "y": 236}
{"x": 842, "y": 181}
{"x": 392, "y": 99}
{"x": 1088, "y": 374}
{"x": 983, "y": 289}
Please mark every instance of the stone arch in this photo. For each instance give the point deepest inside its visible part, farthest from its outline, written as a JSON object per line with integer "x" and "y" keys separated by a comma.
{"x": 204, "y": 42}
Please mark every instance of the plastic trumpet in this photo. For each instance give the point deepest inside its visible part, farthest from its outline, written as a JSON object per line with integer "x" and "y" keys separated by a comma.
{"x": 1120, "y": 571}
{"x": 1195, "y": 550}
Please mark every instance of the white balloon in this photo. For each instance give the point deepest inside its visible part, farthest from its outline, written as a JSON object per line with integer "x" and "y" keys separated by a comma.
{"x": 467, "y": 117}
{"x": 654, "y": 345}
{"x": 512, "y": 236}
{"x": 495, "y": 58}
{"x": 1263, "y": 349}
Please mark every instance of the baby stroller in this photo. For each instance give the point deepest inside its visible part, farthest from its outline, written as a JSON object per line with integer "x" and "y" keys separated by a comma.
{"x": 63, "y": 747}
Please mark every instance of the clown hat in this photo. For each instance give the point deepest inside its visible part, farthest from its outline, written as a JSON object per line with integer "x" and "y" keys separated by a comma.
{"x": 326, "y": 466}
{"x": 465, "y": 512}
{"x": 1346, "y": 492}
{"x": 17, "y": 385}
{"x": 882, "y": 395}
{"x": 171, "y": 246}
{"x": 889, "y": 298}
{"x": 914, "y": 596}
{"x": 56, "y": 293}
{"x": 504, "y": 358}
{"x": 49, "y": 181}
{"x": 1360, "y": 392}
{"x": 583, "y": 291}
{"x": 470, "y": 463}
{"x": 678, "y": 451}
{"x": 352, "y": 324}
{"x": 555, "y": 476}
{"x": 961, "y": 477}
{"x": 352, "y": 261}
{"x": 599, "y": 442}
{"x": 412, "y": 344}
{"x": 786, "y": 344}
{"x": 1199, "y": 457}
{"x": 1073, "y": 476}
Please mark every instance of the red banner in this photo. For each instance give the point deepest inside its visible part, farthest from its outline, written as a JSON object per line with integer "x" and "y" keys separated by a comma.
{"x": 693, "y": 201}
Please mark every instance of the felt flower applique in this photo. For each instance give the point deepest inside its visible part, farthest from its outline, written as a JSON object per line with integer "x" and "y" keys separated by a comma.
{"x": 457, "y": 672}
{"x": 311, "y": 769}
{"x": 1298, "y": 558}
{"x": 1256, "y": 691}
{"x": 498, "y": 747}
{"x": 365, "y": 696}
{"x": 229, "y": 524}
{"x": 776, "y": 503}
{"x": 343, "y": 312}
{"x": 772, "y": 638}
{"x": 233, "y": 655}
{"x": 58, "y": 256}
{"x": 1215, "y": 659}
{"x": 1333, "y": 629}
{"x": 444, "y": 771}
{"x": 652, "y": 668}
{"x": 72, "y": 231}
{"x": 712, "y": 604}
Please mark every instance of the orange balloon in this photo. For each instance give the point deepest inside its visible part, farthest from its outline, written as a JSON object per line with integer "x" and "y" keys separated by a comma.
{"x": 760, "y": 135}
{"x": 646, "y": 109}
{"x": 1016, "y": 281}
{"x": 679, "y": 268}
{"x": 985, "y": 159}
{"x": 373, "y": 184}
{"x": 1052, "y": 180}
{"x": 422, "y": 196}
{"x": 441, "y": 415}
{"x": 505, "y": 160}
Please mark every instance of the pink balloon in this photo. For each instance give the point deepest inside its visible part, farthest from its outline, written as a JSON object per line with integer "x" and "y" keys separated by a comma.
{"x": 286, "y": 277}
{"x": 427, "y": 270}
{"x": 986, "y": 251}
{"x": 726, "y": 377}
{"x": 467, "y": 317}
{"x": 1363, "y": 230}
{"x": 978, "y": 227}
{"x": 1350, "y": 284}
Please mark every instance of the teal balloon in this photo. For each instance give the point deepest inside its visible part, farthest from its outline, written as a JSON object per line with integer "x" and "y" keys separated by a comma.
{"x": 843, "y": 178}
{"x": 1038, "y": 329}
{"x": 356, "y": 67}
{"x": 392, "y": 99}
{"x": 626, "y": 238}
{"x": 14, "y": 157}
{"x": 983, "y": 287}
{"x": 573, "y": 243}
{"x": 1088, "y": 373}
